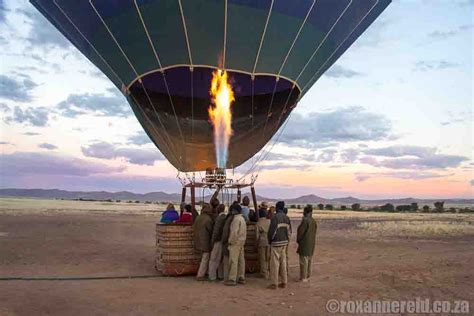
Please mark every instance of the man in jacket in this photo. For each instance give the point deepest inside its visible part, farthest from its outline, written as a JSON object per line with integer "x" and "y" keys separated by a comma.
{"x": 225, "y": 241}
{"x": 245, "y": 208}
{"x": 306, "y": 239}
{"x": 262, "y": 240}
{"x": 237, "y": 237}
{"x": 215, "y": 263}
{"x": 202, "y": 229}
{"x": 278, "y": 238}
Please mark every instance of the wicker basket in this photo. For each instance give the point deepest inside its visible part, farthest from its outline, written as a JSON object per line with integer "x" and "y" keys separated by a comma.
{"x": 175, "y": 254}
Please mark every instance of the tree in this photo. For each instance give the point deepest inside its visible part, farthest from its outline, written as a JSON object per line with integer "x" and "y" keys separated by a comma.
{"x": 321, "y": 206}
{"x": 439, "y": 206}
{"x": 403, "y": 208}
{"x": 355, "y": 207}
{"x": 426, "y": 209}
{"x": 388, "y": 208}
{"x": 343, "y": 207}
{"x": 329, "y": 207}
{"x": 414, "y": 207}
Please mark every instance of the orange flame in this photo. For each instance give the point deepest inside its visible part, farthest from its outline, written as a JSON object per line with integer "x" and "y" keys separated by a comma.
{"x": 220, "y": 114}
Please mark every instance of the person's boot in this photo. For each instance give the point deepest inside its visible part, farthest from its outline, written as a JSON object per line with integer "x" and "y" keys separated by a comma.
{"x": 241, "y": 281}
{"x": 230, "y": 283}
{"x": 201, "y": 278}
{"x": 282, "y": 285}
{"x": 272, "y": 287}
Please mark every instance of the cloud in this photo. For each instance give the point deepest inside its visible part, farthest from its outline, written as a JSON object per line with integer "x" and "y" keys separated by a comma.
{"x": 410, "y": 175}
{"x": 337, "y": 71}
{"x": 47, "y": 146}
{"x": 97, "y": 104}
{"x": 289, "y": 156}
{"x": 424, "y": 65}
{"x": 284, "y": 165}
{"x": 16, "y": 90}
{"x": 442, "y": 34}
{"x": 349, "y": 155}
{"x": 351, "y": 124}
{"x": 140, "y": 138}
{"x": 457, "y": 117}
{"x": 31, "y": 134}
{"x": 42, "y": 32}
{"x": 328, "y": 155}
{"x": 402, "y": 150}
{"x": 466, "y": 3}
{"x": 3, "y": 9}
{"x": 139, "y": 156}
{"x": 37, "y": 116}
{"x": 19, "y": 164}
{"x": 435, "y": 161}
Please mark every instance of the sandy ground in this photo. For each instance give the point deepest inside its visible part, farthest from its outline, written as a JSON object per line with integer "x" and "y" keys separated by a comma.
{"x": 352, "y": 262}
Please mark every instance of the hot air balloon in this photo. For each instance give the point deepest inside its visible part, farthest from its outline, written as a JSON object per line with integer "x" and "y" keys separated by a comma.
{"x": 162, "y": 53}
{"x": 163, "y": 56}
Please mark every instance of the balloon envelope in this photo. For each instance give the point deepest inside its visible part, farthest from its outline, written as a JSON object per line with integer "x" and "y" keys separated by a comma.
{"x": 161, "y": 54}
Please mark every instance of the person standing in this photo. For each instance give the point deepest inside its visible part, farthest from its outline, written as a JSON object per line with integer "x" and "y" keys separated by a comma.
{"x": 245, "y": 208}
{"x": 278, "y": 238}
{"x": 186, "y": 215}
{"x": 170, "y": 215}
{"x": 225, "y": 241}
{"x": 202, "y": 229}
{"x": 215, "y": 263}
{"x": 262, "y": 240}
{"x": 306, "y": 239}
{"x": 237, "y": 237}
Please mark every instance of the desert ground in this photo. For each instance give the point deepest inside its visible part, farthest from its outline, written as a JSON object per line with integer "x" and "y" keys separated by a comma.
{"x": 359, "y": 255}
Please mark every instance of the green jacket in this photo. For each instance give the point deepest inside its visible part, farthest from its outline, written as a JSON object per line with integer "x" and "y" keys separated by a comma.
{"x": 306, "y": 236}
{"x": 202, "y": 232}
{"x": 226, "y": 234}
{"x": 218, "y": 227}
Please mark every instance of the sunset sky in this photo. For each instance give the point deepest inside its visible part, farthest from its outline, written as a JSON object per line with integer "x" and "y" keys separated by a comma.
{"x": 392, "y": 118}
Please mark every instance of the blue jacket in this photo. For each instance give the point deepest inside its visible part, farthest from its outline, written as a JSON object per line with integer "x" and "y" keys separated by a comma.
{"x": 169, "y": 216}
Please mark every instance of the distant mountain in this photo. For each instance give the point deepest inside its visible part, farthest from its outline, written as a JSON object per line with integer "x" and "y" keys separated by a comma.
{"x": 89, "y": 195}
{"x": 176, "y": 197}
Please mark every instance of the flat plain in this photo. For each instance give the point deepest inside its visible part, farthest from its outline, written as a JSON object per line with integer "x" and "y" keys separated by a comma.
{"x": 359, "y": 256}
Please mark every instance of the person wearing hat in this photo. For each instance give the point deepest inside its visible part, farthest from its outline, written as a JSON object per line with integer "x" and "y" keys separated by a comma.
{"x": 306, "y": 239}
{"x": 202, "y": 233}
{"x": 278, "y": 238}
{"x": 263, "y": 224}
{"x": 237, "y": 237}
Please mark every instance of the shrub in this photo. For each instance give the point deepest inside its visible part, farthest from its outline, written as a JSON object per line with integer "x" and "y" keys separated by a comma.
{"x": 426, "y": 209}
{"x": 321, "y": 206}
{"x": 343, "y": 207}
{"x": 439, "y": 206}
{"x": 414, "y": 207}
{"x": 355, "y": 207}
{"x": 388, "y": 208}
{"x": 329, "y": 207}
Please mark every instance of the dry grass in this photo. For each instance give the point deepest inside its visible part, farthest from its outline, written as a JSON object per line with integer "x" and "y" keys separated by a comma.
{"x": 362, "y": 215}
{"x": 43, "y": 206}
{"x": 418, "y": 228}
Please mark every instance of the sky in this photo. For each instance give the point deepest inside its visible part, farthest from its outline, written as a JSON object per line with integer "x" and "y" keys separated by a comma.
{"x": 393, "y": 117}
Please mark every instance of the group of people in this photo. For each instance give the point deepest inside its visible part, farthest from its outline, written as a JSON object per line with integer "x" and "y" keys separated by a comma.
{"x": 220, "y": 239}
{"x": 187, "y": 214}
